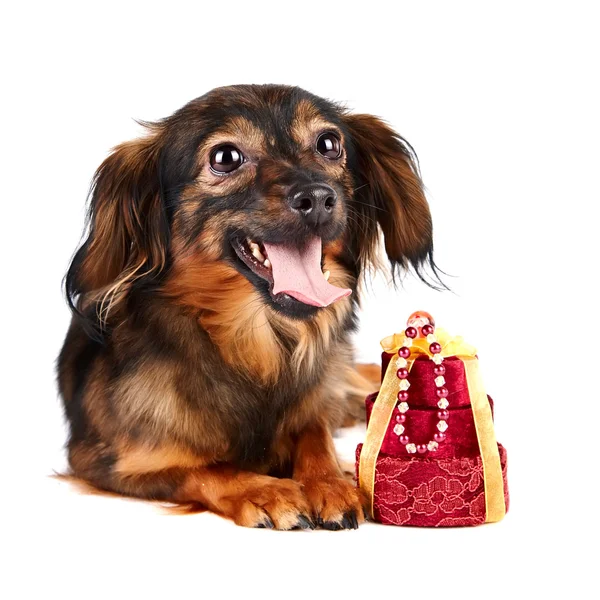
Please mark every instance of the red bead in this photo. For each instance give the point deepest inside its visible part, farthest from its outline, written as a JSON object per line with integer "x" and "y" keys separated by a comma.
{"x": 435, "y": 348}
{"x": 439, "y": 437}
{"x": 439, "y": 370}
{"x": 441, "y": 392}
{"x": 427, "y": 330}
{"x": 402, "y": 373}
{"x": 421, "y": 448}
{"x": 402, "y": 395}
{"x": 403, "y": 439}
{"x": 400, "y": 418}
{"x": 443, "y": 414}
{"x": 404, "y": 352}
{"x": 410, "y": 332}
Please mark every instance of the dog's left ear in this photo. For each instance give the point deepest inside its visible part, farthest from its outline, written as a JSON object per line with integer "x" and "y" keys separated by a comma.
{"x": 388, "y": 192}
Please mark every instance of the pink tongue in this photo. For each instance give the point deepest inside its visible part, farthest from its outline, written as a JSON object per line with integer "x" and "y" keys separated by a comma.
{"x": 297, "y": 272}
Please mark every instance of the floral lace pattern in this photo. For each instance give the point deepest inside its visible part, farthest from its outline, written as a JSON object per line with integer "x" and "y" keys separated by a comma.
{"x": 431, "y": 492}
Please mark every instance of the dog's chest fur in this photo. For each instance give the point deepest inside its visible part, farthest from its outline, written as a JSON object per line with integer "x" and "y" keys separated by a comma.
{"x": 178, "y": 376}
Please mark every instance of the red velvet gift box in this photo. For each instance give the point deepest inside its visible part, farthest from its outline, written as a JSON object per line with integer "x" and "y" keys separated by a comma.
{"x": 458, "y": 480}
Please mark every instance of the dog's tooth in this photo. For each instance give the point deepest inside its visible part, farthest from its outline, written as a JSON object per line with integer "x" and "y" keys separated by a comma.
{"x": 267, "y": 263}
{"x": 326, "y": 275}
{"x": 257, "y": 253}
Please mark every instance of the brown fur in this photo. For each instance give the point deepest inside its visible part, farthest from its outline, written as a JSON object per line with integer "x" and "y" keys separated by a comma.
{"x": 181, "y": 380}
{"x": 388, "y": 169}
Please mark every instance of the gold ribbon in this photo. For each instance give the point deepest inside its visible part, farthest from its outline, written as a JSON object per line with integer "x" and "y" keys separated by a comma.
{"x": 482, "y": 415}
{"x": 495, "y": 508}
{"x": 378, "y": 424}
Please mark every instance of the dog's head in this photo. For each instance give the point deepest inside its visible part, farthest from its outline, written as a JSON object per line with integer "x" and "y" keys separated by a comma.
{"x": 263, "y": 195}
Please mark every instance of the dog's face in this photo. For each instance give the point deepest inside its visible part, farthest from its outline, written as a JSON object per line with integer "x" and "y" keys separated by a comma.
{"x": 266, "y": 192}
{"x": 269, "y": 193}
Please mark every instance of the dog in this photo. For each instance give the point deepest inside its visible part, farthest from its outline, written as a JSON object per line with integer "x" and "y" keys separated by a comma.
{"x": 208, "y": 359}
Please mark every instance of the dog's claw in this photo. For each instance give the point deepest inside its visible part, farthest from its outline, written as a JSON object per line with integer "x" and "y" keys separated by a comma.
{"x": 350, "y": 521}
{"x": 305, "y": 523}
{"x": 331, "y": 525}
{"x": 266, "y": 524}
{"x": 346, "y": 522}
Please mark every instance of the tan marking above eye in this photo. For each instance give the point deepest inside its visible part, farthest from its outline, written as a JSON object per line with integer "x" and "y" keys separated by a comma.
{"x": 308, "y": 124}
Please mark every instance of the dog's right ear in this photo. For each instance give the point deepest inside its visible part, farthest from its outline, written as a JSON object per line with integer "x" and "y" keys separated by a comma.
{"x": 128, "y": 230}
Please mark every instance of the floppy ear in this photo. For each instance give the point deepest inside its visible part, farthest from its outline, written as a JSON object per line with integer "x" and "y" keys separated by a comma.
{"x": 128, "y": 230}
{"x": 388, "y": 192}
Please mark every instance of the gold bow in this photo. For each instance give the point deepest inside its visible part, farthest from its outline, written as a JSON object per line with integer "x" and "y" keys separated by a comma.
{"x": 451, "y": 345}
{"x": 482, "y": 416}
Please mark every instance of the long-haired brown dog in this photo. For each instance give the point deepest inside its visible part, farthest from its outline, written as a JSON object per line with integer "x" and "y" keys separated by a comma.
{"x": 208, "y": 359}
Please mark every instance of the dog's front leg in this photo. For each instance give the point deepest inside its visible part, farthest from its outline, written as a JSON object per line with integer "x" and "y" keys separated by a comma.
{"x": 335, "y": 502}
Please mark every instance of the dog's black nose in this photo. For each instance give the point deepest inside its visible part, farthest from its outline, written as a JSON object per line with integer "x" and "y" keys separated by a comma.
{"x": 314, "y": 201}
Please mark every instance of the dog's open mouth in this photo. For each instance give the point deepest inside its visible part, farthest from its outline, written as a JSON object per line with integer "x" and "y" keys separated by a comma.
{"x": 290, "y": 270}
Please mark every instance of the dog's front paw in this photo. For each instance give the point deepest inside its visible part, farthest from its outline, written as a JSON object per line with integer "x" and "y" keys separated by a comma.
{"x": 335, "y": 503}
{"x": 270, "y": 503}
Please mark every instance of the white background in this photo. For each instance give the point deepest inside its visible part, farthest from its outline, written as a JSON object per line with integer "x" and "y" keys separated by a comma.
{"x": 500, "y": 100}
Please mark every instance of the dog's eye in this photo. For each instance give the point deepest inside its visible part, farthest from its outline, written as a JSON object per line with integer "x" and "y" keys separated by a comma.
{"x": 225, "y": 159}
{"x": 329, "y": 145}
